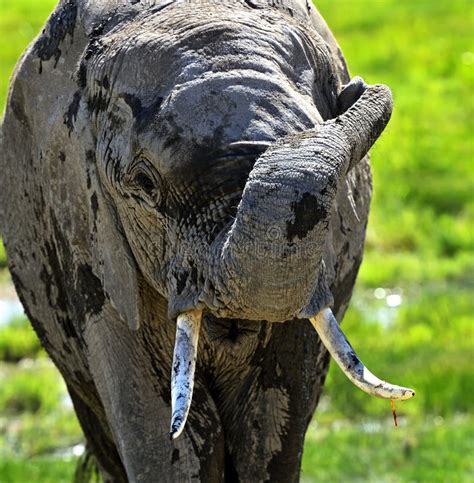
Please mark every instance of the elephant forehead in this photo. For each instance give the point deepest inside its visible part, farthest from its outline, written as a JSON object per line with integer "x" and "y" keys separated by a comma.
{"x": 222, "y": 108}
{"x": 152, "y": 54}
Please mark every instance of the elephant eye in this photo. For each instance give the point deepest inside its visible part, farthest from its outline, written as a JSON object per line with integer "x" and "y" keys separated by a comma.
{"x": 145, "y": 183}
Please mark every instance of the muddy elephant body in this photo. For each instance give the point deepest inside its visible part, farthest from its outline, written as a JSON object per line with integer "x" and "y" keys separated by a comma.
{"x": 106, "y": 245}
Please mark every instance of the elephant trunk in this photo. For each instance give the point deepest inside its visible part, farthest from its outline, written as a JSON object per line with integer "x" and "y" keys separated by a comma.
{"x": 271, "y": 258}
{"x": 270, "y": 261}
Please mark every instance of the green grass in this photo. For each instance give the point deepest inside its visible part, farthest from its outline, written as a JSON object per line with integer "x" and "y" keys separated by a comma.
{"x": 3, "y": 256}
{"x": 435, "y": 451}
{"x": 419, "y": 246}
{"x": 18, "y": 340}
{"x": 38, "y": 427}
{"x": 47, "y": 469}
{"x": 33, "y": 389}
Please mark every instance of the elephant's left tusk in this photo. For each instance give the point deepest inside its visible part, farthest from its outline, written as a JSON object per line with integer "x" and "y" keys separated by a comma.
{"x": 335, "y": 341}
{"x": 182, "y": 372}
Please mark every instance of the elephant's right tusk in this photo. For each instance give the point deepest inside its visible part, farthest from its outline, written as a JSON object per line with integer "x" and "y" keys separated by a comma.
{"x": 335, "y": 341}
{"x": 182, "y": 372}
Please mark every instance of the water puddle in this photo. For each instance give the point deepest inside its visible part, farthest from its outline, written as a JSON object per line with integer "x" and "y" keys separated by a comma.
{"x": 9, "y": 310}
{"x": 379, "y": 306}
{"x": 71, "y": 452}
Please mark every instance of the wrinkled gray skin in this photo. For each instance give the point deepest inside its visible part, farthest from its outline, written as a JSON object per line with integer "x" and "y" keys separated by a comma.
{"x": 163, "y": 156}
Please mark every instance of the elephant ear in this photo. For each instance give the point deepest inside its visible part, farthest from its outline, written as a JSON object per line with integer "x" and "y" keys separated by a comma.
{"x": 112, "y": 258}
{"x": 64, "y": 239}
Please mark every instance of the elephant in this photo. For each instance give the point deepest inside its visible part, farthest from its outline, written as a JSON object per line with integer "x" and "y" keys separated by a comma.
{"x": 185, "y": 194}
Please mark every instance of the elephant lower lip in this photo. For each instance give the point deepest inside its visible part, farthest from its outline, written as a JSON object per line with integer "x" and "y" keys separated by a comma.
{"x": 230, "y": 331}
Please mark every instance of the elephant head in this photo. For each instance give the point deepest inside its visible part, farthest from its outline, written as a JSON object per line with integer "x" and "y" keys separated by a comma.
{"x": 201, "y": 158}
{"x": 221, "y": 162}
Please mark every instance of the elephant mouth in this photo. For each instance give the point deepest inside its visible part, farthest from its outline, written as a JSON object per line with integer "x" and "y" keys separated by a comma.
{"x": 188, "y": 327}
{"x": 230, "y": 333}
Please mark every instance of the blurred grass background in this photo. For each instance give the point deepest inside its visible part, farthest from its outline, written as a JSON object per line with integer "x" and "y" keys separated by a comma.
{"x": 411, "y": 317}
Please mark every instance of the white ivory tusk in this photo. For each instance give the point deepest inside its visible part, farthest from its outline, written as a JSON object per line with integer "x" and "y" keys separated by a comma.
{"x": 338, "y": 346}
{"x": 182, "y": 371}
